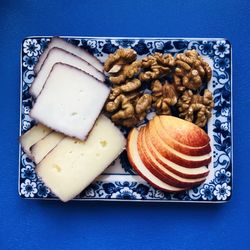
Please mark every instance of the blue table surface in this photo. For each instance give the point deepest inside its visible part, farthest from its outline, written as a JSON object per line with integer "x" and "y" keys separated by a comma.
{"x": 27, "y": 224}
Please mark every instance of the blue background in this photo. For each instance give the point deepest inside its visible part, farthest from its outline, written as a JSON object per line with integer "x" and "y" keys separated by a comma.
{"x": 31, "y": 224}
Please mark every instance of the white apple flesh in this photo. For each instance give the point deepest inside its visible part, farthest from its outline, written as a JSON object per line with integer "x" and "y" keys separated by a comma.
{"x": 159, "y": 170}
{"x": 141, "y": 169}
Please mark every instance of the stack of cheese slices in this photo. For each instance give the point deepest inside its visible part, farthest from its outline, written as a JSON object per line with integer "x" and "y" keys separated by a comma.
{"x": 170, "y": 153}
{"x": 72, "y": 143}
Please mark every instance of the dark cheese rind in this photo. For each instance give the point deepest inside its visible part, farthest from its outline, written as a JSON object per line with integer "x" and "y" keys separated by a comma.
{"x": 61, "y": 43}
{"x": 57, "y": 55}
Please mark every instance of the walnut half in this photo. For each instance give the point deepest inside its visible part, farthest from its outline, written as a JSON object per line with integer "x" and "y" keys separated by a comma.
{"x": 122, "y": 65}
{"x": 156, "y": 66}
{"x": 191, "y": 71}
{"x": 164, "y": 97}
{"x": 196, "y": 108}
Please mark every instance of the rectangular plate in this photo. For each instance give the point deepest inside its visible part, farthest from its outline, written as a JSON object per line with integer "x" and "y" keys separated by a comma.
{"x": 119, "y": 181}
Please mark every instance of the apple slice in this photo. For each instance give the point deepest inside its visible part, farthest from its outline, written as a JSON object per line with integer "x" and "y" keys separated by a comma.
{"x": 178, "y": 145}
{"x": 190, "y": 173}
{"x": 171, "y": 154}
{"x": 184, "y": 132}
{"x": 137, "y": 164}
{"x": 159, "y": 170}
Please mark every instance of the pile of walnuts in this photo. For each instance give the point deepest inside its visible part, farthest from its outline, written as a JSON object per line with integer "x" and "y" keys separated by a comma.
{"x": 174, "y": 83}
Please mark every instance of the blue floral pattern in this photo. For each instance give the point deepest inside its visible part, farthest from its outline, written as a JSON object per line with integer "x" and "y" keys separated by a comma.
{"x": 31, "y": 47}
{"x": 29, "y": 61}
{"x": 42, "y": 190}
{"x": 28, "y": 188}
{"x": 222, "y": 48}
{"x": 218, "y": 185}
{"x": 221, "y": 63}
{"x": 28, "y": 172}
{"x": 222, "y": 176}
{"x": 206, "y": 47}
{"x": 207, "y": 192}
{"x": 222, "y": 192}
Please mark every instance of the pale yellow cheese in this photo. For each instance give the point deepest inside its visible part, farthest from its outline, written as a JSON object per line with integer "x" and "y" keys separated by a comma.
{"x": 72, "y": 165}
{"x": 32, "y": 136}
{"x": 45, "y": 145}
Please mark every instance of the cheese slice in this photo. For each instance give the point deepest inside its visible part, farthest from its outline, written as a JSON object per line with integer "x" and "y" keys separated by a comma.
{"x": 70, "y": 102}
{"x": 32, "y": 136}
{"x": 45, "y": 145}
{"x": 73, "y": 164}
{"x": 62, "y": 44}
{"x": 57, "y": 55}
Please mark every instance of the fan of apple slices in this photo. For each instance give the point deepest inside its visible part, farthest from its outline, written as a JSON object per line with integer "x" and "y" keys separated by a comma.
{"x": 170, "y": 153}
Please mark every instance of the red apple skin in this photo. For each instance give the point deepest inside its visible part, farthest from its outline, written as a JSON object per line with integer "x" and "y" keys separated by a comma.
{"x": 153, "y": 166}
{"x": 165, "y": 164}
{"x": 178, "y": 146}
{"x": 161, "y": 147}
{"x": 184, "y": 132}
{"x": 130, "y": 151}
